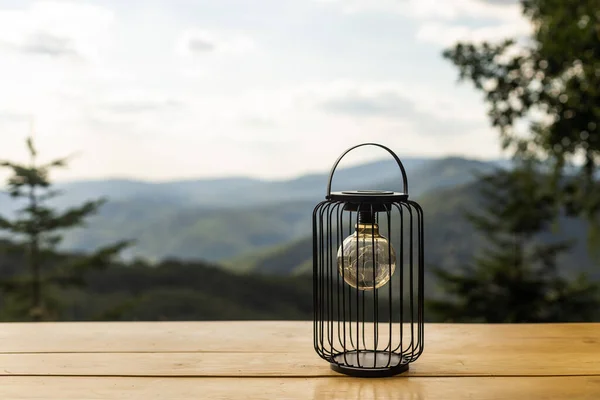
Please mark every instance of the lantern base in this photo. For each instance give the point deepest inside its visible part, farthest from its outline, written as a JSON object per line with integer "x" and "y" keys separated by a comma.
{"x": 373, "y": 364}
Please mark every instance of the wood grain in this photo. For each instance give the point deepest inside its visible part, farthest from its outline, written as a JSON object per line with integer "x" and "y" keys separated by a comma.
{"x": 496, "y": 362}
{"x": 283, "y": 337}
{"x": 79, "y": 388}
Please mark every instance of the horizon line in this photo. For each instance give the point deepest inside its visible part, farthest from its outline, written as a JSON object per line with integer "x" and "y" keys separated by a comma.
{"x": 264, "y": 179}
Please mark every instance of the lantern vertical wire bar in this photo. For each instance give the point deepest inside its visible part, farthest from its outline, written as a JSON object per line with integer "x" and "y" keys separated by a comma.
{"x": 336, "y": 284}
{"x": 318, "y": 276}
{"x": 316, "y": 255}
{"x": 319, "y": 279}
{"x": 375, "y": 259}
{"x": 327, "y": 277}
{"x": 363, "y": 322}
{"x": 411, "y": 274}
{"x": 361, "y": 293}
{"x": 331, "y": 270}
{"x": 421, "y": 276}
{"x": 401, "y": 278}
{"x": 339, "y": 241}
{"x": 343, "y": 289}
{"x": 390, "y": 297}
{"x": 349, "y": 291}
{"x": 363, "y": 298}
{"x": 315, "y": 301}
{"x": 358, "y": 221}
{"x": 418, "y": 284}
{"x": 322, "y": 248}
{"x": 340, "y": 245}
{"x": 341, "y": 319}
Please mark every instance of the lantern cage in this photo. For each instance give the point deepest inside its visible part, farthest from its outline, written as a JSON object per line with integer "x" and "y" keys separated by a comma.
{"x": 368, "y": 279}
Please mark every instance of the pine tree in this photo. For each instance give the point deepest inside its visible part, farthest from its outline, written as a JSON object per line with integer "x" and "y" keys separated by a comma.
{"x": 550, "y": 83}
{"x": 39, "y": 227}
{"x": 515, "y": 279}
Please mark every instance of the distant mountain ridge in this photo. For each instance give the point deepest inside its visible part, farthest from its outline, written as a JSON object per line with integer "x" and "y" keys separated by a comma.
{"x": 232, "y": 191}
{"x": 218, "y": 219}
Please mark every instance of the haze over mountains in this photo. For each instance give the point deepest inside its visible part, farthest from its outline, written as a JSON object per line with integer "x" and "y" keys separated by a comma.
{"x": 264, "y": 226}
{"x": 222, "y": 218}
{"x": 233, "y": 192}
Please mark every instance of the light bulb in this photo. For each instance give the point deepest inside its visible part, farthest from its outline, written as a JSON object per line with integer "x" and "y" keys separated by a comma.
{"x": 362, "y": 267}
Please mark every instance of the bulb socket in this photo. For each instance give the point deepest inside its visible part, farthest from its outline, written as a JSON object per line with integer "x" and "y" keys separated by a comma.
{"x": 366, "y": 217}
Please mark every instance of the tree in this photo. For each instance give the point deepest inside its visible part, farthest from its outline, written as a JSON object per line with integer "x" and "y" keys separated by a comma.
{"x": 40, "y": 227}
{"x": 550, "y": 83}
{"x": 515, "y": 279}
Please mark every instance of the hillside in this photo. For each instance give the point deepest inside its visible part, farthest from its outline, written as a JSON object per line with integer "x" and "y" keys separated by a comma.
{"x": 170, "y": 290}
{"x": 221, "y": 231}
{"x": 193, "y": 232}
{"x": 450, "y": 240}
{"x": 230, "y": 192}
{"x": 225, "y": 192}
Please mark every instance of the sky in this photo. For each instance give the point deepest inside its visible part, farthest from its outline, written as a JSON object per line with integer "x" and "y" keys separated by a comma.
{"x": 180, "y": 89}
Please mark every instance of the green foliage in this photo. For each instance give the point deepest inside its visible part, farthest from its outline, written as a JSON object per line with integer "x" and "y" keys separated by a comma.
{"x": 551, "y": 83}
{"x": 516, "y": 278}
{"x": 39, "y": 227}
{"x": 170, "y": 290}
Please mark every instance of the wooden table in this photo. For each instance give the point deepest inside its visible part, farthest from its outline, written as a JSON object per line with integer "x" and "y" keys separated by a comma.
{"x": 275, "y": 360}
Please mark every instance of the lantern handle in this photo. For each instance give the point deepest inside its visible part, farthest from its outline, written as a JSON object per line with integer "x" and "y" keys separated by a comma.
{"x": 404, "y": 179}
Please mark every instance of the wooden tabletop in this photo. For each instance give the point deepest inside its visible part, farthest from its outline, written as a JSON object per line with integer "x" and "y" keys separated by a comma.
{"x": 275, "y": 360}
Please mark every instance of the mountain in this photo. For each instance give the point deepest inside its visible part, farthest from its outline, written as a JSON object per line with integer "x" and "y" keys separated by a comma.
{"x": 220, "y": 219}
{"x": 450, "y": 240}
{"x": 231, "y": 192}
{"x": 192, "y": 232}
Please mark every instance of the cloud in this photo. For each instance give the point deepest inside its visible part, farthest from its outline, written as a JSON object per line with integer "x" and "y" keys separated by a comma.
{"x": 389, "y": 99}
{"x": 200, "y": 45}
{"x": 13, "y": 116}
{"x": 383, "y": 104}
{"x": 461, "y": 9}
{"x": 194, "y": 42}
{"x": 501, "y": 2}
{"x": 55, "y": 28}
{"x": 48, "y": 44}
{"x": 448, "y": 21}
{"x": 426, "y": 118}
{"x": 258, "y": 122}
{"x": 428, "y": 9}
{"x": 140, "y": 106}
{"x": 448, "y": 34}
{"x": 129, "y": 113}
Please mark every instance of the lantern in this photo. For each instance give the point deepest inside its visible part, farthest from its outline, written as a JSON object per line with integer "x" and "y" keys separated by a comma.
{"x": 368, "y": 278}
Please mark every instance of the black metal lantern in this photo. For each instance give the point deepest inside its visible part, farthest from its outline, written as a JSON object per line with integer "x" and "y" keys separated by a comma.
{"x": 368, "y": 279}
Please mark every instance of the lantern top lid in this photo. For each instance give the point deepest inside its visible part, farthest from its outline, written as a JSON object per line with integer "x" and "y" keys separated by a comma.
{"x": 368, "y": 196}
